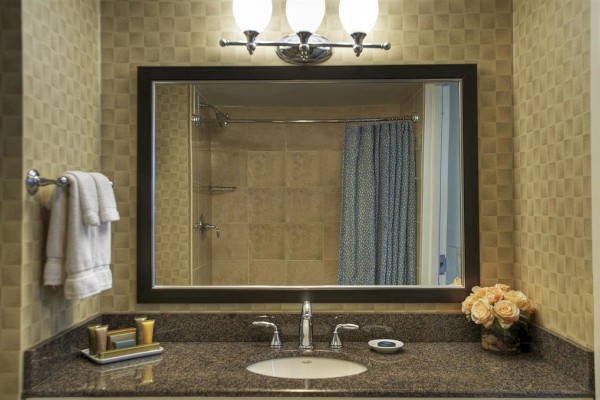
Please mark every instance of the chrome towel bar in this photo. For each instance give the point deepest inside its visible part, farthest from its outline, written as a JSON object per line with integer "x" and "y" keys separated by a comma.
{"x": 33, "y": 181}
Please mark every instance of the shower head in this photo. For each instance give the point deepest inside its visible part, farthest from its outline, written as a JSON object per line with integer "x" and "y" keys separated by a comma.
{"x": 222, "y": 117}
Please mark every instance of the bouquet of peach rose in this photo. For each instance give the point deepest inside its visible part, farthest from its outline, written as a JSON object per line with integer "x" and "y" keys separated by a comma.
{"x": 505, "y": 312}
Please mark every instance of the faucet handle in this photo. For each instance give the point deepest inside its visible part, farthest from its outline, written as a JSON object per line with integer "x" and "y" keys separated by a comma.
{"x": 336, "y": 342}
{"x": 275, "y": 340}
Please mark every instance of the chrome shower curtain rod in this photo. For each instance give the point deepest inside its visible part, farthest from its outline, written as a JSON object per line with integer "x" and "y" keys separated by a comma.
{"x": 222, "y": 118}
{"x": 414, "y": 117}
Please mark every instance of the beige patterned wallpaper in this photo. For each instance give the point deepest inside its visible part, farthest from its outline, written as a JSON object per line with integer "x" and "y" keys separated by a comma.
{"x": 61, "y": 97}
{"x": 49, "y": 120}
{"x": 187, "y": 32}
{"x": 61, "y": 110}
{"x": 173, "y": 194}
{"x": 11, "y": 206}
{"x": 553, "y": 239}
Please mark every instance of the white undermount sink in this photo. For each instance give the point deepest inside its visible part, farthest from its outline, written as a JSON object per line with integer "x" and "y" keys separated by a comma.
{"x": 306, "y": 368}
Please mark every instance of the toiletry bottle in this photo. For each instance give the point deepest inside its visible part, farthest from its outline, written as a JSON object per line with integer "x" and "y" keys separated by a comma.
{"x": 91, "y": 331}
{"x": 138, "y": 326}
{"x": 101, "y": 338}
{"x": 147, "y": 331}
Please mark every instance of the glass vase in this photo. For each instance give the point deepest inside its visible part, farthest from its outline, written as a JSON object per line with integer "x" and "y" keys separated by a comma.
{"x": 513, "y": 340}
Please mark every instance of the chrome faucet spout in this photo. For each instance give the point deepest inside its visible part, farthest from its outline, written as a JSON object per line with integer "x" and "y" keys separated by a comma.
{"x": 305, "y": 336}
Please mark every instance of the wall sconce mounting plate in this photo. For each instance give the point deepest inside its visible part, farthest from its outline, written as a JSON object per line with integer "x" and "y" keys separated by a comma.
{"x": 314, "y": 55}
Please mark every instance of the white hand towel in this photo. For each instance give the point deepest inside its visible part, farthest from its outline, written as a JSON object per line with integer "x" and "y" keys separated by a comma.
{"x": 80, "y": 279}
{"x": 54, "y": 273}
{"x": 101, "y": 252}
{"x": 107, "y": 205}
{"x": 88, "y": 197}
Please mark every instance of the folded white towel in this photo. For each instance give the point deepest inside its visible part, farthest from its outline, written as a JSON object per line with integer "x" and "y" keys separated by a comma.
{"x": 80, "y": 279}
{"x": 54, "y": 273}
{"x": 88, "y": 197}
{"x": 78, "y": 254}
{"x": 101, "y": 253}
{"x": 107, "y": 205}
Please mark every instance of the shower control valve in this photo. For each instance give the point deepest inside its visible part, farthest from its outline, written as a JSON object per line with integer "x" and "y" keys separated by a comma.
{"x": 204, "y": 226}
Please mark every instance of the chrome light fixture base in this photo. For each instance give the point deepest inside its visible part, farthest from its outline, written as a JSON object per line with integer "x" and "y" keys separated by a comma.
{"x": 295, "y": 53}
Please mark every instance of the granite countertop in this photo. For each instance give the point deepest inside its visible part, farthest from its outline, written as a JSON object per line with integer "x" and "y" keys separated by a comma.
{"x": 218, "y": 369}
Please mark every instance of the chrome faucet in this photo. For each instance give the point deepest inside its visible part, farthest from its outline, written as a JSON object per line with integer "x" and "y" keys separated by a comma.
{"x": 305, "y": 337}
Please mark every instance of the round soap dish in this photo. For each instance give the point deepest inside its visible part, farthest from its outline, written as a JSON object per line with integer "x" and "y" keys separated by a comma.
{"x": 385, "y": 346}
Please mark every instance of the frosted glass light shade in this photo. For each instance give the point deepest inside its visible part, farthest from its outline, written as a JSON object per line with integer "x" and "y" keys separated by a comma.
{"x": 358, "y": 15}
{"x": 305, "y": 15}
{"x": 252, "y": 15}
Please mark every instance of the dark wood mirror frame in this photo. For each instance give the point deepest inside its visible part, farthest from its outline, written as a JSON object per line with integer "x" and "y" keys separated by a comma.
{"x": 147, "y": 293}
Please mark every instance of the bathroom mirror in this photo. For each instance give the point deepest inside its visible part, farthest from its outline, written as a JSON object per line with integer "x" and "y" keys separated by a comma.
{"x": 332, "y": 184}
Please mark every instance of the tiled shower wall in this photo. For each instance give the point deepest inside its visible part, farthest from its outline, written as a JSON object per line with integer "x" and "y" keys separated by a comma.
{"x": 281, "y": 225}
{"x": 552, "y": 176}
{"x": 422, "y": 31}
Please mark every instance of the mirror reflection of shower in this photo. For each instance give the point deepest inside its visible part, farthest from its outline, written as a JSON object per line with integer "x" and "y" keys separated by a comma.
{"x": 265, "y": 168}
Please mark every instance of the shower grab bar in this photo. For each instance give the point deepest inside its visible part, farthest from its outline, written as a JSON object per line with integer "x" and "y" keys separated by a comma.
{"x": 33, "y": 181}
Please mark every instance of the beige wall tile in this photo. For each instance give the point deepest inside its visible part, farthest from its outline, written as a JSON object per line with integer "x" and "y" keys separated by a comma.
{"x": 304, "y": 273}
{"x": 230, "y": 207}
{"x": 266, "y": 205}
{"x": 266, "y": 168}
{"x": 267, "y": 241}
{"x": 233, "y": 243}
{"x": 332, "y": 168}
{"x": 330, "y": 272}
{"x": 332, "y": 204}
{"x": 305, "y": 137}
{"x": 304, "y": 205}
{"x": 230, "y": 272}
{"x": 266, "y": 137}
{"x": 304, "y": 241}
{"x": 331, "y": 241}
{"x": 229, "y": 168}
{"x": 267, "y": 272}
{"x": 304, "y": 168}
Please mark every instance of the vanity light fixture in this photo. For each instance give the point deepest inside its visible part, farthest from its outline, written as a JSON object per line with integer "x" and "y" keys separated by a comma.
{"x": 304, "y": 17}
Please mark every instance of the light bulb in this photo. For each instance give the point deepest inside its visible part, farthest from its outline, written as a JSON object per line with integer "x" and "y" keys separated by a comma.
{"x": 305, "y": 15}
{"x": 252, "y": 15}
{"x": 358, "y": 15}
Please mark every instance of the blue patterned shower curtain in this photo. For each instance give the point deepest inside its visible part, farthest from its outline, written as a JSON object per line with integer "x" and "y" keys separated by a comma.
{"x": 378, "y": 228}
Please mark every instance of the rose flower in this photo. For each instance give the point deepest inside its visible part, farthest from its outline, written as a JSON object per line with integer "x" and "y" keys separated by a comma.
{"x": 482, "y": 313}
{"x": 507, "y": 313}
